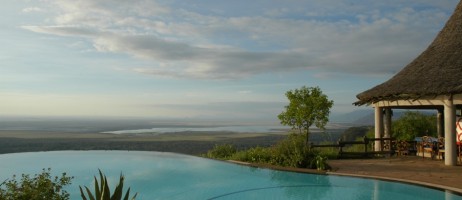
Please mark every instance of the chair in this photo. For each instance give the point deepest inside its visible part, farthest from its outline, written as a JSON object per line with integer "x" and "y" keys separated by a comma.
{"x": 412, "y": 148}
{"x": 428, "y": 146}
{"x": 440, "y": 148}
{"x": 459, "y": 144}
{"x": 402, "y": 148}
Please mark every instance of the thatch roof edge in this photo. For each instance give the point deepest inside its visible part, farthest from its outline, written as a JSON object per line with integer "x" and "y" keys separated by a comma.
{"x": 437, "y": 71}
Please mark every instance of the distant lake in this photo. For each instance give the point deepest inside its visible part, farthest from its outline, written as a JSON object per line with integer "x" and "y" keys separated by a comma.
{"x": 236, "y": 128}
{"x": 134, "y": 126}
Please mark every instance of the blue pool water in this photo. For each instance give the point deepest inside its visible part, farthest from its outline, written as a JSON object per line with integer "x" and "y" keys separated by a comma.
{"x": 156, "y": 175}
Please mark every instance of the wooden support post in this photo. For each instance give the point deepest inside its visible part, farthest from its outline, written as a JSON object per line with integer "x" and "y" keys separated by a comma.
{"x": 387, "y": 128}
{"x": 450, "y": 157}
{"x": 378, "y": 127}
{"x": 366, "y": 142}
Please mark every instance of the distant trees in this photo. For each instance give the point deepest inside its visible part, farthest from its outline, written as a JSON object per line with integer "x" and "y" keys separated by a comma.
{"x": 414, "y": 124}
{"x": 307, "y": 106}
{"x": 355, "y": 132}
{"x": 410, "y": 125}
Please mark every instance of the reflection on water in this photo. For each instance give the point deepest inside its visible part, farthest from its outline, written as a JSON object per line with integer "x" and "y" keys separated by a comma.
{"x": 319, "y": 185}
{"x": 156, "y": 175}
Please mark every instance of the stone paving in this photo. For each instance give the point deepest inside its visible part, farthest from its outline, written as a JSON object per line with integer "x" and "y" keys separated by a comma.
{"x": 411, "y": 169}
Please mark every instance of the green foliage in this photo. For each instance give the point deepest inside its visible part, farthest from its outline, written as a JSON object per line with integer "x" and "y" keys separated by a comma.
{"x": 353, "y": 133}
{"x": 289, "y": 152}
{"x": 370, "y": 133}
{"x": 223, "y": 152}
{"x": 414, "y": 124}
{"x": 40, "y": 187}
{"x": 292, "y": 152}
{"x": 320, "y": 162}
{"x": 328, "y": 152}
{"x": 358, "y": 147}
{"x": 103, "y": 193}
{"x": 254, "y": 155}
{"x": 307, "y": 106}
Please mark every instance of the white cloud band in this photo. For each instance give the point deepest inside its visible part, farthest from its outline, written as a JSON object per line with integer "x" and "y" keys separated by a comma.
{"x": 193, "y": 44}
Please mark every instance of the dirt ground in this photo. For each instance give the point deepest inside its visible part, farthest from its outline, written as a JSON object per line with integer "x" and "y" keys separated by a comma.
{"x": 411, "y": 169}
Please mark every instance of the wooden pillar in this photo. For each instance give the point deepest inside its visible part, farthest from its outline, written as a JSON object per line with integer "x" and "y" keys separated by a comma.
{"x": 387, "y": 128}
{"x": 450, "y": 157}
{"x": 378, "y": 127}
{"x": 440, "y": 123}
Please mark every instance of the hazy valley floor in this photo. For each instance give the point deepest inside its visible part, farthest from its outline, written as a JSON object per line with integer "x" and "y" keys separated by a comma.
{"x": 193, "y": 143}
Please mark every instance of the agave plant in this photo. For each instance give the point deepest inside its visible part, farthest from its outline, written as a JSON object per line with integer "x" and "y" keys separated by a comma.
{"x": 321, "y": 162}
{"x": 103, "y": 193}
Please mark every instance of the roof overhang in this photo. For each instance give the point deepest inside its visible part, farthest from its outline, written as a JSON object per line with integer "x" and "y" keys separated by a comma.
{"x": 422, "y": 103}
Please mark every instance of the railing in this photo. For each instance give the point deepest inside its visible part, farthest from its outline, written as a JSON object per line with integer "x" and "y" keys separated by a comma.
{"x": 387, "y": 147}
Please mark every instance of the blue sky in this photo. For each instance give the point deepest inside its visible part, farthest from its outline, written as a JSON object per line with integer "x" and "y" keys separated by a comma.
{"x": 202, "y": 59}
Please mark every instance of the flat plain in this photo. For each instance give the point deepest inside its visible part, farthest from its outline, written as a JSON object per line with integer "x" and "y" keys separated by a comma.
{"x": 189, "y": 142}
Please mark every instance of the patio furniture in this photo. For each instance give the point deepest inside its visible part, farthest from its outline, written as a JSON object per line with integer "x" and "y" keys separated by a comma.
{"x": 440, "y": 148}
{"x": 402, "y": 148}
{"x": 459, "y": 144}
{"x": 428, "y": 146}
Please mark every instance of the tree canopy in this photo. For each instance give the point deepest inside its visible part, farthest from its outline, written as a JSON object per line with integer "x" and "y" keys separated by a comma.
{"x": 307, "y": 106}
{"x": 414, "y": 124}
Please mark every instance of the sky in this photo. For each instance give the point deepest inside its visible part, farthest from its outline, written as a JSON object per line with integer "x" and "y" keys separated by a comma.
{"x": 214, "y": 59}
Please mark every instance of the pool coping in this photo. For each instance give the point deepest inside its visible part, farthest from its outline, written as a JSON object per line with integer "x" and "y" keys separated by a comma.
{"x": 458, "y": 191}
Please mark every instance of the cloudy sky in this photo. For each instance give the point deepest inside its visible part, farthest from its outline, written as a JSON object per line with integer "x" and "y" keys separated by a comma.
{"x": 202, "y": 58}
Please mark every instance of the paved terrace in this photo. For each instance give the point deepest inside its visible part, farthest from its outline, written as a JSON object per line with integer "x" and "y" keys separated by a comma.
{"x": 412, "y": 169}
{"x": 409, "y": 169}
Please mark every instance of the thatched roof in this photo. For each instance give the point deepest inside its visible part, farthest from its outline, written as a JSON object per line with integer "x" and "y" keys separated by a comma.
{"x": 437, "y": 71}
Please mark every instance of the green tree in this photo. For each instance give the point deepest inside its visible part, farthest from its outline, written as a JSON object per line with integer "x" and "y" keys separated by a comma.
{"x": 40, "y": 187}
{"x": 307, "y": 106}
{"x": 414, "y": 124}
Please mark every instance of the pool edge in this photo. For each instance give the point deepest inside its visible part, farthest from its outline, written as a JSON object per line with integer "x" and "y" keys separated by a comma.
{"x": 457, "y": 191}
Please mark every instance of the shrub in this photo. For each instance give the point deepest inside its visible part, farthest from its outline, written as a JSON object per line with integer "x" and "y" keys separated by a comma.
{"x": 289, "y": 152}
{"x": 40, "y": 187}
{"x": 224, "y": 151}
{"x": 292, "y": 152}
{"x": 255, "y": 155}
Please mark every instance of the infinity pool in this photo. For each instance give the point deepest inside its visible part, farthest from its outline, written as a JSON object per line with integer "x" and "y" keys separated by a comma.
{"x": 156, "y": 175}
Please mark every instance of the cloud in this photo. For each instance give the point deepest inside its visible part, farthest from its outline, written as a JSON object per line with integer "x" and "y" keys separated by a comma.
{"x": 231, "y": 110}
{"x": 245, "y": 92}
{"x": 183, "y": 41}
{"x": 32, "y": 9}
{"x": 63, "y": 30}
